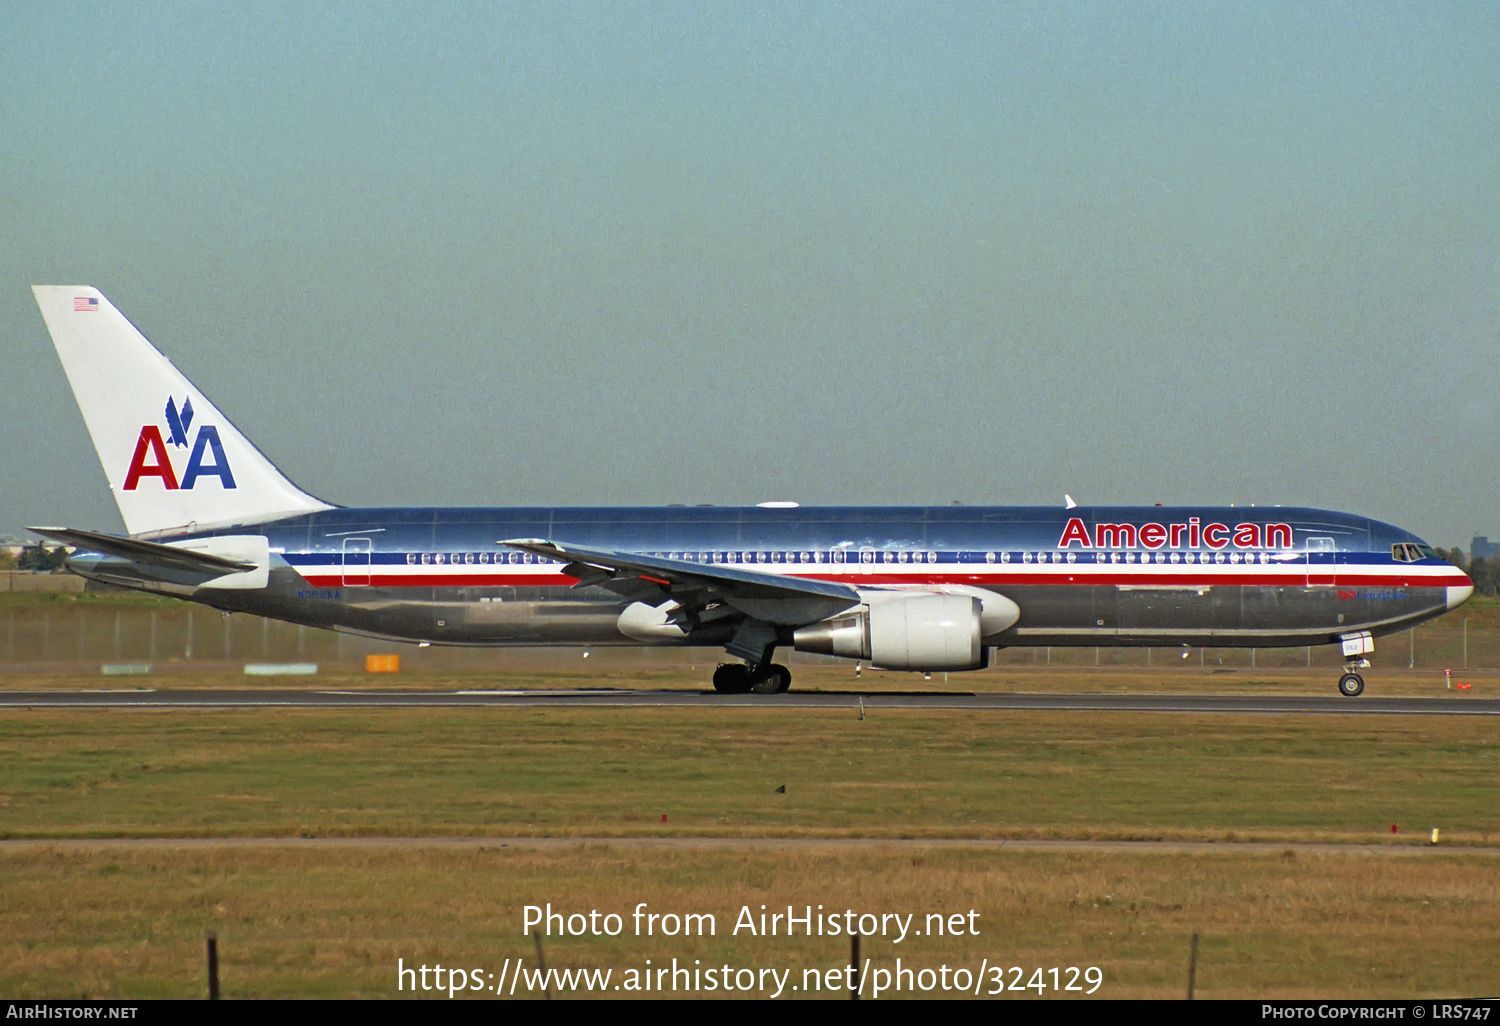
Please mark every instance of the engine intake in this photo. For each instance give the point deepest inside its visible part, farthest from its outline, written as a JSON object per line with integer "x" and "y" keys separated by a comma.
{"x": 904, "y": 632}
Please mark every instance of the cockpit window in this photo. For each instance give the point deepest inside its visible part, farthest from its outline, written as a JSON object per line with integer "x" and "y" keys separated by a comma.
{"x": 1427, "y": 552}
{"x": 1398, "y": 553}
{"x": 1406, "y": 552}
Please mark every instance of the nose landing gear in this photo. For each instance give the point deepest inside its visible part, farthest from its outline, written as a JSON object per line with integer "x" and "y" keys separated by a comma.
{"x": 1351, "y": 684}
{"x": 1356, "y": 647}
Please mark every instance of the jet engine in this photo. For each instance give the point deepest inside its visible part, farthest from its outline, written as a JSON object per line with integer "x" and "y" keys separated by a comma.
{"x": 904, "y": 632}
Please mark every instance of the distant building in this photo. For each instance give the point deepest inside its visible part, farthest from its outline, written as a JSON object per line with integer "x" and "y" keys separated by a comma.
{"x": 1482, "y": 548}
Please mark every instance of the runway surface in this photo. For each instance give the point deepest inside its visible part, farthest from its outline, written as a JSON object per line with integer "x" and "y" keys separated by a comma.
{"x": 353, "y": 699}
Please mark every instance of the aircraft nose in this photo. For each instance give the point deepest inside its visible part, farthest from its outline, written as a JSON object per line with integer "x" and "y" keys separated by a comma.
{"x": 1458, "y": 594}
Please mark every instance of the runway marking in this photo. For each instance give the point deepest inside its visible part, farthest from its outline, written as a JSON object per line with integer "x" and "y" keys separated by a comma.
{"x": 534, "y": 693}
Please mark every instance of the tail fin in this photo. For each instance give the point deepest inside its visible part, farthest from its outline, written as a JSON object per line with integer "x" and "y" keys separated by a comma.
{"x": 172, "y": 459}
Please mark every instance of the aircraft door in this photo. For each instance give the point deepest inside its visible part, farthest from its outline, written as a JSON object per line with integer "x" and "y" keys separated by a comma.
{"x": 1321, "y": 569}
{"x": 356, "y": 562}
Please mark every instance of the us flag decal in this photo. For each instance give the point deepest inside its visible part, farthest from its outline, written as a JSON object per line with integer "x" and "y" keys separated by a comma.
{"x": 85, "y": 304}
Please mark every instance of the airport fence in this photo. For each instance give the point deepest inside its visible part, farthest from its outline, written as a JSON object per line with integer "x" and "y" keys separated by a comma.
{"x": 52, "y": 633}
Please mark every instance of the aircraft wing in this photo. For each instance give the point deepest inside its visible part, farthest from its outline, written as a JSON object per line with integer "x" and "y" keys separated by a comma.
{"x": 771, "y": 598}
{"x": 150, "y": 553}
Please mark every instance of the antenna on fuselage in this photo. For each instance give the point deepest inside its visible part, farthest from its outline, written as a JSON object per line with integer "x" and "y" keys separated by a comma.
{"x": 1068, "y": 501}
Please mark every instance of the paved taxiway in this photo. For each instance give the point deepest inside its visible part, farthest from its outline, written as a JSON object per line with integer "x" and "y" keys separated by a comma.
{"x": 330, "y": 699}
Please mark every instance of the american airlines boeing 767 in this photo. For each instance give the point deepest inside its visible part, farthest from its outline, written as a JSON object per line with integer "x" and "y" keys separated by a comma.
{"x": 211, "y": 520}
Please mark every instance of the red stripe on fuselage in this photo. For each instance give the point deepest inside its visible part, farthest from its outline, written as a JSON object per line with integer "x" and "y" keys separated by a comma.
{"x": 336, "y": 580}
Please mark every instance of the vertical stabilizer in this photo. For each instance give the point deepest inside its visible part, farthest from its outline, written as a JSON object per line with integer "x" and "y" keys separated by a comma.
{"x": 172, "y": 459}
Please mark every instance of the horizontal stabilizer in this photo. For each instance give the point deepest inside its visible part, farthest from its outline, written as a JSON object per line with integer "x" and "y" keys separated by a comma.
{"x": 150, "y": 553}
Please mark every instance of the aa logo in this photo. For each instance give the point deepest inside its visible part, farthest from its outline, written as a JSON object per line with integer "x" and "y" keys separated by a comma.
{"x": 152, "y": 460}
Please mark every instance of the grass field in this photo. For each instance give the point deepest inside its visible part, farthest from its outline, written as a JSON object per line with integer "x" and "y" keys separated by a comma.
{"x": 566, "y": 772}
{"x": 333, "y": 923}
{"x": 1388, "y": 917}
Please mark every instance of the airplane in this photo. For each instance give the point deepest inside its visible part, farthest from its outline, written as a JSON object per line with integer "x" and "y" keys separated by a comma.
{"x": 918, "y": 588}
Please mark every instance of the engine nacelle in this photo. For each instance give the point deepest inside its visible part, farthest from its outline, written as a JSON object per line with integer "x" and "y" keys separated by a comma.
{"x": 903, "y": 632}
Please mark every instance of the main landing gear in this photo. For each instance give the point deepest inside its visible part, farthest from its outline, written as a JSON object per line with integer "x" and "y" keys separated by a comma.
{"x": 739, "y": 679}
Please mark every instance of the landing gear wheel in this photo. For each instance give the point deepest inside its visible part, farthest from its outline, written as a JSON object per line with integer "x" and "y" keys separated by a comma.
{"x": 1351, "y": 684}
{"x": 771, "y": 680}
{"x": 732, "y": 679}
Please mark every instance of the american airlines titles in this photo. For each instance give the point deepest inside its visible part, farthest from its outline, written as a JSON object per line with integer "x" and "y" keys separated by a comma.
{"x": 1192, "y": 535}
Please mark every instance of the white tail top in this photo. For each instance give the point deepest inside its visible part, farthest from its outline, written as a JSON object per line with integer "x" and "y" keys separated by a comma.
{"x": 172, "y": 459}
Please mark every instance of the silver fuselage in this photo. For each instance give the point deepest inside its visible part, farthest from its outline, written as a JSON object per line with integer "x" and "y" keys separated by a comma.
{"x": 1085, "y": 576}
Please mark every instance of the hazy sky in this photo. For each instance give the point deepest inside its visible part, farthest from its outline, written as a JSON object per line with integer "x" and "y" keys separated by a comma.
{"x": 645, "y": 253}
